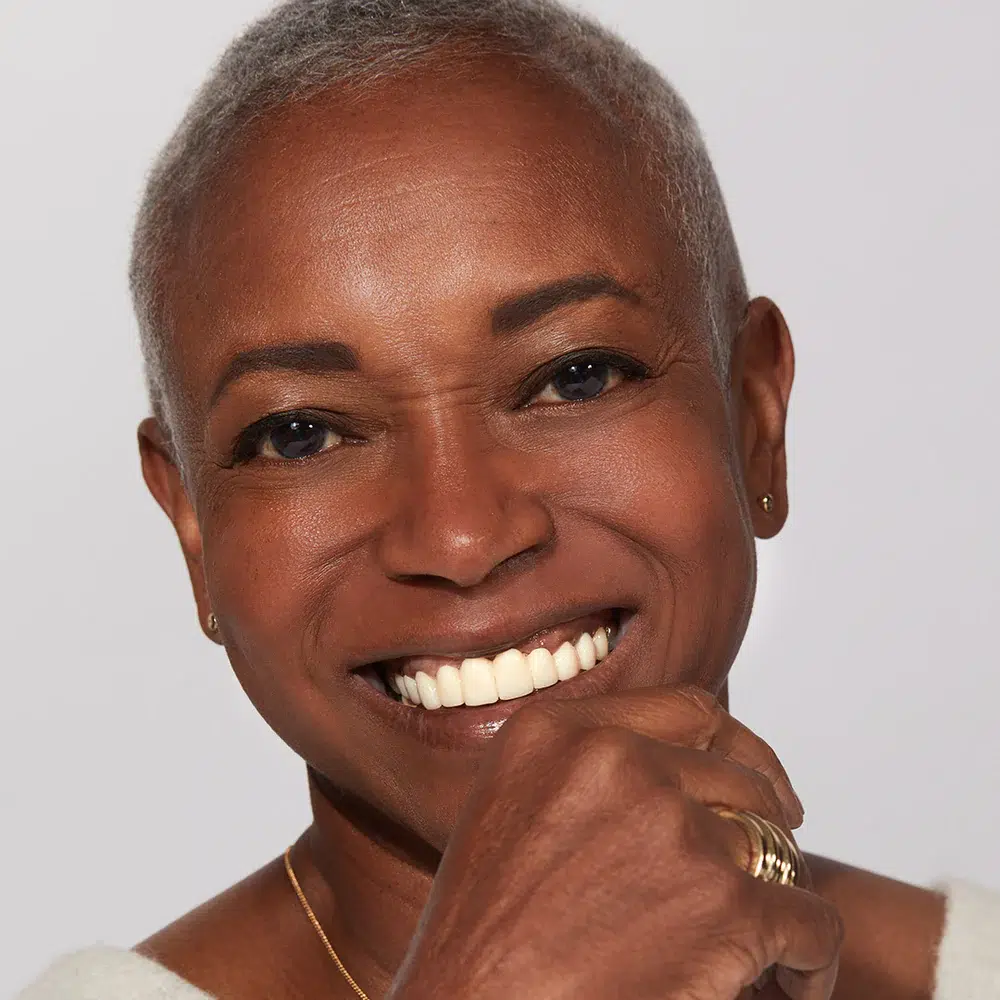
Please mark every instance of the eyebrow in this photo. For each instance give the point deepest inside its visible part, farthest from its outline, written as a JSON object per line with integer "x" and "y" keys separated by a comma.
{"x": 330, "y": 356}
{"x": 317, "y": 358}
{"x": 522, "y": 311}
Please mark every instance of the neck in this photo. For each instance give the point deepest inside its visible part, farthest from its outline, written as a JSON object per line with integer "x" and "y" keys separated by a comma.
{"x": 367, "y": 881}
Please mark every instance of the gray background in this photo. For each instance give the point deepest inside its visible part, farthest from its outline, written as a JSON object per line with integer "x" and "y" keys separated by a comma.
{"x": 859, "y": 146}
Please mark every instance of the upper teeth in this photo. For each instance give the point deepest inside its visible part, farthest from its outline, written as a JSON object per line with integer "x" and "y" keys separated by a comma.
{"x": 510, "y": 674}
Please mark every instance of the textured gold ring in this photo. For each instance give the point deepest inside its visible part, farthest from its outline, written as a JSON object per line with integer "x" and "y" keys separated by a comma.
{"x": 774, "y": 856}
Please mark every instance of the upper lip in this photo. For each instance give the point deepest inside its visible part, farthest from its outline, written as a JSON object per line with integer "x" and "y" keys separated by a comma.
{"x": 488, "y": 641}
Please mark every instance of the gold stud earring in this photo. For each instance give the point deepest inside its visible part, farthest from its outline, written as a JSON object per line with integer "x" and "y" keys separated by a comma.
{"x": 766, "y": 503}
{"x": 212, "y": 622}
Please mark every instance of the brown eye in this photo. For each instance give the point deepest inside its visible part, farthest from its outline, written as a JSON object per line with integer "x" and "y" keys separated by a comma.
{"x": 579, "y": 381}
{"x": 296, "y": 439}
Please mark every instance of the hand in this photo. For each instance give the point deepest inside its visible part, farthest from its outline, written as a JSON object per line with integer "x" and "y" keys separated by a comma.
{"x": 587, "y": 864}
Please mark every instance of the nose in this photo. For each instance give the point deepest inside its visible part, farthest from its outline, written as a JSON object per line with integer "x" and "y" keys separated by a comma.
{"x": 462, "y": 511}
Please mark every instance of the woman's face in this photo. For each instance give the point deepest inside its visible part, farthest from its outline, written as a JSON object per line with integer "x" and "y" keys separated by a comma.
{"x": 444, "y": 387}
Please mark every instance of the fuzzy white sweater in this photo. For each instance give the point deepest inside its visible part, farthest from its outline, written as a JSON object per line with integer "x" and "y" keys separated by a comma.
{"x": 968, "y": 962}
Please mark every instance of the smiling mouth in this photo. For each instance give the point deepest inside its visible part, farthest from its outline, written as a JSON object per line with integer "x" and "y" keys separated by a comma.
{"x": 549, "y": 657}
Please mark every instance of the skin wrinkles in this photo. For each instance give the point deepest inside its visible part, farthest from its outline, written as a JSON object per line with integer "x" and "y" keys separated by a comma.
{"x": 328, "y": 357}
{"x": 556, "y": 335}
{"x": 459, "y": 514}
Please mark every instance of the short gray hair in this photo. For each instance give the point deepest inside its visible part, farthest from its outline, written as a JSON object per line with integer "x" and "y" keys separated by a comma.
{"x": 305, "y": 46}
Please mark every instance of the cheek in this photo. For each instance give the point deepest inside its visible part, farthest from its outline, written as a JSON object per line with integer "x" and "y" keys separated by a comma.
{"x": 286, "y": 549}
{"x": 272, "y": 547}
{"x": 279, "y": 543}
{"x": 665, "y": 478}
{"x": 662, "y": 475}
{"x": 281, "y": 560}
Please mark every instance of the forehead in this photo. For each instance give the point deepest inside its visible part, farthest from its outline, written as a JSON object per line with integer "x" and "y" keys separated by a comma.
{"x": 431, "y": 195}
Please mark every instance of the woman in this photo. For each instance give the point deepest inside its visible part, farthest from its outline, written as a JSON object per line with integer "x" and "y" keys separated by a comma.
{"x": 467, "y": 424}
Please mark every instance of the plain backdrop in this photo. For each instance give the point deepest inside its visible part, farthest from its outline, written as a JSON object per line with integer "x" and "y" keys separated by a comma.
{"x": 858, "y": 144}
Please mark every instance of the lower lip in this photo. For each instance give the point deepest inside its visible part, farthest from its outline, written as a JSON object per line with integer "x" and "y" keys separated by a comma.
{"x": 469, "y": 728}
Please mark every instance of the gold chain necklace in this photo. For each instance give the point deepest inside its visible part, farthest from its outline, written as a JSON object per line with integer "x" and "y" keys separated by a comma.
{"x": 318, "y": 928}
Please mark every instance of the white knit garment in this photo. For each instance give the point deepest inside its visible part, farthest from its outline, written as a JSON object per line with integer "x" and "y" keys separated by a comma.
{"x": 968, "y": 965}
{"x": 968, "y": 962}
{"x": 105, "y": 973}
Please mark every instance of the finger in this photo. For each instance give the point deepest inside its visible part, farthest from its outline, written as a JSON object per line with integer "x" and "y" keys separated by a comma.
{"x": 715, "y": 781}
{"x": 807, "y": 986}
{"x": 807, "y": 933}
{"x": 719, "y": 732}
{"x": 688, "y": 716}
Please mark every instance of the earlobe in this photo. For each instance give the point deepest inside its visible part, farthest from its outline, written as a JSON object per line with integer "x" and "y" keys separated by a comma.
{"x": 165, "y": 482}
{"x": 763, "y": 367}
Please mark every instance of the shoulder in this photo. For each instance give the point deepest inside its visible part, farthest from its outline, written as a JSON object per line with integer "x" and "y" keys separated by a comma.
{"x": 242, "y": 943}
{"x": 251, "y": 941}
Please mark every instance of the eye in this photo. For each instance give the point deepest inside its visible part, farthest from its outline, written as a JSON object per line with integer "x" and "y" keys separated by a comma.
{"x": 297, "y": 438}
{"x": 286, "y": 437}
{"x": 576, "y": 380}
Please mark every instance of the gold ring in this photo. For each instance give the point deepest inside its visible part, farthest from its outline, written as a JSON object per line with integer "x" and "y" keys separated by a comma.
{"x": 774, "y": 856}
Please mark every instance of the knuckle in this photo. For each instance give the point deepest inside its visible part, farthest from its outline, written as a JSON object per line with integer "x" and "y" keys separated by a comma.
{"x": 767, "y": 803}
{"x": 598, "y": 776}
{"x": 734, "y": 947}
{"x": 700, "y": 699}
{"x": 672, "y": 812}
{"x": 604, "y": 753}
{"x": 530, "y": 730}
{"x": 679, "y": 825}
{"x": 823, "y": 921}
{"x": 738, "y": 897}
{"x": 532, "y": 723}
{"x": 735, "y": 892}
{"x": 720, "y": 893}
{"x": 747, "y": 952}
{"x": 834, "y": 926}
{"x": 705, "y": 708}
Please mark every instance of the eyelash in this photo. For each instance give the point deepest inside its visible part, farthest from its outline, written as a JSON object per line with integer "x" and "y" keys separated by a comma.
{"x": 247, "y": 445}
{"x": 628, "y": 367}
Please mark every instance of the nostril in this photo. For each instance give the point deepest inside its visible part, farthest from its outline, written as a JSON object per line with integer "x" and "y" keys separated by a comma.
{"x": 463, "y": 527}
{"x": 521, "y": 561}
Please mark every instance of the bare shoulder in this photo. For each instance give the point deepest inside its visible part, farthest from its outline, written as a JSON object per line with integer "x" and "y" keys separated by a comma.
{"x": 892, "y": 931}
{"x": 250, "y": 941}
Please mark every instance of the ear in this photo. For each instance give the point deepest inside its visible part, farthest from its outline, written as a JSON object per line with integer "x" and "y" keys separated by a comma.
{"x": 163, "y": 477}
{"x": 763, "y": 366}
